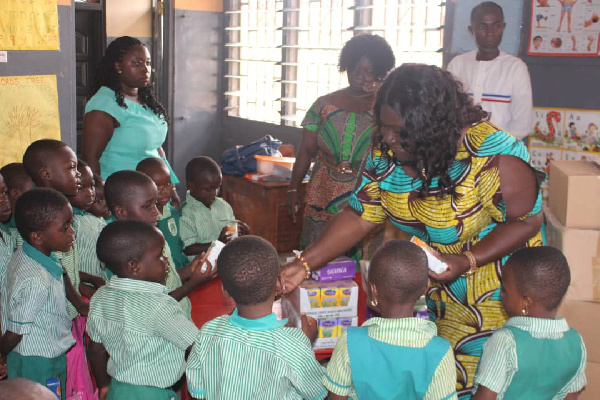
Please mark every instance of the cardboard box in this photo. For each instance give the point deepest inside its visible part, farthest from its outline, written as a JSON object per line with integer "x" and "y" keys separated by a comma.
{"x": 582, "y": 249}
{"x": 592, "y": 390}
{"x": 583, "y": 317}
{"x": 339, "y": 269}
{"x": 573, "y": 193}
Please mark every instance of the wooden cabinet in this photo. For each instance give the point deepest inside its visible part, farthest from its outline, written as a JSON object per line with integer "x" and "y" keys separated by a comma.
{"x": 261, "y": 205}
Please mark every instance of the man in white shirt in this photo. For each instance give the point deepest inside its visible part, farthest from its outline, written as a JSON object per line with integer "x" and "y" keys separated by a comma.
{"x": 497, "y": 81}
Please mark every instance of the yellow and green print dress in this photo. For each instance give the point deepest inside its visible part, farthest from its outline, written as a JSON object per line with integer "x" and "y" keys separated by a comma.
{"x": 467, "y": 310}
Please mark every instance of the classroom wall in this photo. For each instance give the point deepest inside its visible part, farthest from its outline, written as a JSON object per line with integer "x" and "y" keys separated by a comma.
{"x": 60, "y": 63}
{"x": 197, "y": 75}
{"x": 129, "y": 18}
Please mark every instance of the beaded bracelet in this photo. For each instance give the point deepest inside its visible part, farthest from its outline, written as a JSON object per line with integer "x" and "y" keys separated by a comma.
{"x": 472, "y": 264}
{"x": 305, "y": 265}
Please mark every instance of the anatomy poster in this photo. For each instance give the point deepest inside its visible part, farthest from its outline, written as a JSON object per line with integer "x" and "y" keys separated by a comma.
{"x": 28, "y": 112}
{"x": 564, "y": 28}
{"x": 29, "y": 25}
{"x": 564, "y": 134}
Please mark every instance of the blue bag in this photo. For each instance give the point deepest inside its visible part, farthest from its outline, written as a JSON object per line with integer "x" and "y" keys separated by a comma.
{"x": 240, "y": 160}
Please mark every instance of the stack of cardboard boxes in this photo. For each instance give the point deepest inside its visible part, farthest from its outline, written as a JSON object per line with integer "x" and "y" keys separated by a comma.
{"x": 573, "y": 226}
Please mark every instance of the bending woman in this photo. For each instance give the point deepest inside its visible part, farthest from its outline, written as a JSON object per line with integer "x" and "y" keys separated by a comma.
{"x": 337, "y": 132}
{"x": 123, "y": 123}
{"x": 439, "y": 170}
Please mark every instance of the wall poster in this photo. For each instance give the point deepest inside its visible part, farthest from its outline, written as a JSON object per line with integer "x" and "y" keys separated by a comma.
{"x": 29, "y": 25}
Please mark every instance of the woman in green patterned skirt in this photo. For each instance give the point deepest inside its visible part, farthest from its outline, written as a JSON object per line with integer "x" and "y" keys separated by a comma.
{"x": 337, "y": 132}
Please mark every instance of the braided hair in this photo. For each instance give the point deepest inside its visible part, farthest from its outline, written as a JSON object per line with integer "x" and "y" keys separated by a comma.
{"x": 434, "y": 109}
{"x": 107, "y": 76}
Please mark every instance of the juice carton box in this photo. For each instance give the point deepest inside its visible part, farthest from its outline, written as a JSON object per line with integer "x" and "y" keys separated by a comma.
{"x": 328, "y": 328}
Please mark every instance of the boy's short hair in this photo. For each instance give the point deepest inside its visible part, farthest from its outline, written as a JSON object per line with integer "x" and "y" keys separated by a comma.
{"x": 248, "y": 267}
{"x": 542, "y": 273}
{"x": 150, "y": 162}
{"x": 399, "y": 270}
{"x": 38, "y": 154}
{"x": 486, "y": 5}
{"x": 124, "y": 240}
{"x": 122, "y": 185}
{"x": 15, "y": 176}
{"x": 200, "y": 167}
{"x": 81, "y": 164}
{"x": 36, "y": 209}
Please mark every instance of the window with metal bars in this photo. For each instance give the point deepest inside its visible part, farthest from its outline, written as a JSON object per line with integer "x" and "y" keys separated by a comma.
{"x": 282, "y": 54}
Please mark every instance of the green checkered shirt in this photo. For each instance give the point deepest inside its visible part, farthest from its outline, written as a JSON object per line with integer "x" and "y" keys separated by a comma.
{"x": 407, "y": 332}
{"x": 499, "y": 363}
{"x": 87, "y": 229}
{"x": 239, "y": 358}
{"x": 199, "y": 224}
{"x": 174, "y": 281}
{"x": 34, "y": 304}
{"x": 143, "y": 330}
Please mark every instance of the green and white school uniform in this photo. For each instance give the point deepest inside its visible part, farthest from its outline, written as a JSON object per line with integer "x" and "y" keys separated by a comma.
{"x": 146, "y": 334}
{"x": 35, "y": 306}
{"x": 70, "y": 263}
{"x": 174, "y": 282}
{"x": 87, "y": 230}
{"x": 168, "y": 224}
{"x": 392, "y": 358}
{"x": 533, "y": 358}
{"x": 239, "y": 358}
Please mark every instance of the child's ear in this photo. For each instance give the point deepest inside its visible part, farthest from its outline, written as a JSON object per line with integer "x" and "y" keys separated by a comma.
{"x": 190, "y": 185}
{"x": 374, "y": 292}
{"x": 470, "y": 28}
{"x": 119, "y": 212}
{"x": 45, "y": 174}
{"x": 36, "y": 238}
{"x": 226, "y": 295}
{"x": 133, "y": 266}
{"x": 527, "y": 302}
{"x": 427, "y": 287}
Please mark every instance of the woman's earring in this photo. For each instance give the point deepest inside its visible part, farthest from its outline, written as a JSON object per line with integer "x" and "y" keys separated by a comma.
{"x": 374, "y": 302}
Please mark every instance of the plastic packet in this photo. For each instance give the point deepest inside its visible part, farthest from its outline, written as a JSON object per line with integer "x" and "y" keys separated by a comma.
{"x": 435, "y": 264}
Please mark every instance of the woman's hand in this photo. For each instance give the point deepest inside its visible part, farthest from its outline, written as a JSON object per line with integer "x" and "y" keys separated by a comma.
{"x": 457, "y": 265}
{"x": 292, "y": 204}
{"x": 293, "y": 274}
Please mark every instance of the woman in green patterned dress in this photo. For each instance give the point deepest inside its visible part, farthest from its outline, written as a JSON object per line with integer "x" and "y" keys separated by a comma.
{"x": 337, "y": 132}
{"x": 439, "y": 170}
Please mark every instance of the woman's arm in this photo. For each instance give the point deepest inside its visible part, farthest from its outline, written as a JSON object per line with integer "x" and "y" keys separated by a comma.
{"x": 98, "y": 128}
{"x": 306, "y": 152}
{"x": 343, "y": 231}
{"x": 519, "y": 192}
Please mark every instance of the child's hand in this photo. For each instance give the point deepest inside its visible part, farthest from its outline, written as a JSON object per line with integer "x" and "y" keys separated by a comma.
{"x": 83, "y": 308}
{"x": 309, "y": 327}
{"x": 223, "y": 236}
{"x": 202, "y": 270}
{"x": 243, "y": 229}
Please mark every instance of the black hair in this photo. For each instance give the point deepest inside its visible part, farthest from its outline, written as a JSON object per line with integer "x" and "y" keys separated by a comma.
{"x": 201, "y": 166}
{"x": 434, "y": 110}
{"x": 150, "y": 162}
{"x": 98, "y": 181}
{"x": 399, "y": 270}
{"x": 542, "y": 273}
{"x": 38, "y": 155}
{"x": 107, "y": 76}
{"x": 36, "y": 209}
{"x": 125, "y": 240}
{"x": 124, "y": 185}
{"x": 375, "y": 48}
{"x": 486, "y": 5}
{"x": 15, "y": 176}
{"x": 248, "y": 267}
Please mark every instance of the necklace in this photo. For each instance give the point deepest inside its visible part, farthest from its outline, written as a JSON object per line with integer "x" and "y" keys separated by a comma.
{"x": 349, "y": 94}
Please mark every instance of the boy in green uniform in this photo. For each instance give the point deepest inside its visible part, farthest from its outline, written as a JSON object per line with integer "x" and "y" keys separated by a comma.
{"x": 168, "y": 217}
{"x": 36, "y": 325}
{"x": 535, "y": 355}
{"x": 133, "y": 319}
{"x": 250, "y": 354}
{"x": 17, "y": 182}
{"x": 87, "y": 229}
{"x": 51, "y": 163}
{"x": 133, "y": 195}
{"x": 99, "y": 208}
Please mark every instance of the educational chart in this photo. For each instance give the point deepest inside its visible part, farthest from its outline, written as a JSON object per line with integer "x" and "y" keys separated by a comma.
{"x": 29, "y": 25}
{"x": 28, "y": 112}
{"x": 564, "y": 134}
{"x": 564, "y": 28}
